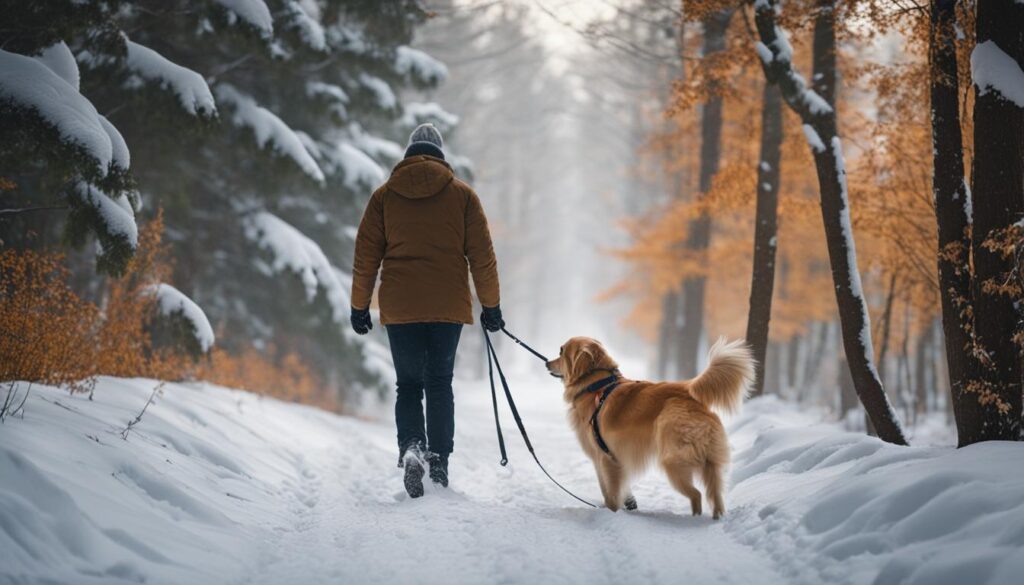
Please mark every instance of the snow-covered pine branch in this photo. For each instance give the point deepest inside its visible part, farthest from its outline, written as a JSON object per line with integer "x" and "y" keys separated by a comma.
{"x": 189, "y": 86}
{"x": 29, "y": 86}
{"x": 174, "y": 304}
{"x": 419, "y": 67}
{"x": 270, "y": 131}
{"x": 292, "y": 250}
{"x": 252, "y": 13}
{"x": 416, "y": 113}
{"x": 111, "y": 218}
{"x": 304, "y": 19}
{"x": 358, "y": 170}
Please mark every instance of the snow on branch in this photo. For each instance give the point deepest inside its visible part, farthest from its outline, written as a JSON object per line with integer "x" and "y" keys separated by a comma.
{"x": 271, "y": 132}
{"x": 253, "y": 12}
{"x": 332, "y": 94}
{"x": 776, "y": 56}
{"x": 28, "y": 83}
{"x": 58, "y": 58}
{"x": 375, "y": 146}
{"x": 172, "y": 302}
{"x": 189, "y": 86}
{"x": 357, "y": 168}
{"x": 307, "y": 25}
{"x": 993, "y": 70}
{"x": 380, "y": 89}
{"x": 416, "y": 113}
{"x": 420, "y": 66}
{"x": 292, "y": 250}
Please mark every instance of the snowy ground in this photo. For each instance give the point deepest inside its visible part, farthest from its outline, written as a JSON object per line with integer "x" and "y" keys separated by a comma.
{"x": 221, "y": 486}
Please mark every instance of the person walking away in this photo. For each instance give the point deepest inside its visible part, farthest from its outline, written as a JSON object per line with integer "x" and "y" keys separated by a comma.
{"x": 425, "y": 231}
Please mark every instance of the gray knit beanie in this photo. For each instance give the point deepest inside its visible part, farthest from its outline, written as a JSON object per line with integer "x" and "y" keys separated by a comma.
{"x": 427, "y": 133}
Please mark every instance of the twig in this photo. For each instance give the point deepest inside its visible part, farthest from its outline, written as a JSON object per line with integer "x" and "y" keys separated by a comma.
{"x": 21, "y": 407}
{"x": 138, "y": 419}
{"x": 13, "y": 211}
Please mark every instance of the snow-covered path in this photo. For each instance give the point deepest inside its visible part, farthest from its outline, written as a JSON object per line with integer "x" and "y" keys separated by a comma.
{"x": 491, "y": 525}
{"x": 221, "y": 486}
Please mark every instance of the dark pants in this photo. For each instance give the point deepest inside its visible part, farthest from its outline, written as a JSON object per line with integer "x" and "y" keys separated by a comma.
{"x": 424, "y": 356}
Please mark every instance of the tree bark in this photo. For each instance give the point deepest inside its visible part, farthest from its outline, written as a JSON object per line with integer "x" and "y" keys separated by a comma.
{"x": 699, "y": 235}
{"x": 886, "y": 326}
{"x": 817, "y": 111}
{"x": 998, "y": 191}
{"x": 952, "y": 212}
{"x": 762, "y": 281}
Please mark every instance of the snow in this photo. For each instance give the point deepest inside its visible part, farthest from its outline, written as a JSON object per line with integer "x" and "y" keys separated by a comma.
{"x": 270, "y": 130}
{"x": 375, "y": 146}
{"x": 815, "y": 103}
{"x": 222, "y": 486}
{"x": 189, "y": 86}
{"x": 120, "y": 155}
{"x": 416, "y": 113}
{"x": 357, "y": 168}
{"x": 116, "y": 214}
{"x": 381, "y": 90}
{"x": 416, "y": 63}
{"x": 994, "y": 70}
{"x": 813, "y": 139}
{"x": 172, "y": 301}
{"x": 764, "y": 52}
{"x": 292, "y": 250}
{"x": 58, "y": 58}
{"x": 254, "y": 12}
{"x": 310, "y": 30}
{"x": 968, "y": 202}
{"x": 29, "y": 83}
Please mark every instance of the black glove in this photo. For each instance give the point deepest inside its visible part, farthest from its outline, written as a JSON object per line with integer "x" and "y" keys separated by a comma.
{"x": 491, "y": 318}
{"x": 361, "y": 322}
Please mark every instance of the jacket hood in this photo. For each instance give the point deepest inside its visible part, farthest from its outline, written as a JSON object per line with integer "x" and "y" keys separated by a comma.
{"x": 420, "y": 176}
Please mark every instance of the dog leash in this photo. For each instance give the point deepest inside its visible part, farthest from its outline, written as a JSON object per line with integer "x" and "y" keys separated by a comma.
{"x": 492, "y": 364}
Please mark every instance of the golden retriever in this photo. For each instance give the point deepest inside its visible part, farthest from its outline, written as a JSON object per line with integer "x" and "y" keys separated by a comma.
{"x": 671, "y": 422}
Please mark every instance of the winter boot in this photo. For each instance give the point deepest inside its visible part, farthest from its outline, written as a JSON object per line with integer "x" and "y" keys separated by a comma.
{"x": 439, "y": 469}
{"x": 412, "y": 460}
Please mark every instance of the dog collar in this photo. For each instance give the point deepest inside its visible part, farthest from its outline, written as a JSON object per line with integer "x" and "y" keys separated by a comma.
{"x": 600, "y": 384}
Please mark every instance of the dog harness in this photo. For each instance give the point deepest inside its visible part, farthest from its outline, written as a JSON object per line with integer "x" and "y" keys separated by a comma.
{"x": 608, "y": 385}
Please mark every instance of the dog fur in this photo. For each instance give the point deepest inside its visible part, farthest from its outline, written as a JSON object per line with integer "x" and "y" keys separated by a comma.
{"x": 668, "y": 422}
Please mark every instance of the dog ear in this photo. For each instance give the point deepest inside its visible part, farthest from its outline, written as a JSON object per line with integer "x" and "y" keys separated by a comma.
{"x": 582, "y": 361}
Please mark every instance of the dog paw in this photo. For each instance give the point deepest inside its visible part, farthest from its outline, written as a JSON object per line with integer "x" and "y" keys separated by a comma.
{"x": 630, "y": 503}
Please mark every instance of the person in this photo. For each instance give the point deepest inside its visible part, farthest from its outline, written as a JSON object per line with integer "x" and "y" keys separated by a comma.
{"x": 419, "y": 230}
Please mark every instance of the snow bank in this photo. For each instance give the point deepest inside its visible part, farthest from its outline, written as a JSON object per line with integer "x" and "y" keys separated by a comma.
{"x": 29, "y": 83}
{"x": 837, "y": 507}
{"x": 293, "y": 250}
{"x": 993, "y": 70}
{"x": 189, "y": 86}
{"x": 172, "y": 301}
{"x": 223, "y": 486}
{"x": 271, "y": 132}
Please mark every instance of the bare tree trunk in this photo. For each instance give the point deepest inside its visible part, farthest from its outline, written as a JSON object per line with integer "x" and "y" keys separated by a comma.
{"x": 886, "y": 326}
{"x": 817, "y": 111}
{"x": 699, "y": 235}
{"x": 998, "y": 191}
{"x": 922, "y": 378}
{"x": 793, "y": 361}
{"x": 762, "y": 283}
{"x": 952, "y": 212}
{"x": 666, "y": 333}
{"x": 814, "y": 358}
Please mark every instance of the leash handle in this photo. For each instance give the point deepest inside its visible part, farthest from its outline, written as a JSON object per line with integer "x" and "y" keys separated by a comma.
{"x": 493, "y": 355}
{"x": 523, "y": 345}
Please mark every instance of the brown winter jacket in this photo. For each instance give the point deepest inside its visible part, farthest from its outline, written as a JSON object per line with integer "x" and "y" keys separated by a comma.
{"x": 420, "y": 228}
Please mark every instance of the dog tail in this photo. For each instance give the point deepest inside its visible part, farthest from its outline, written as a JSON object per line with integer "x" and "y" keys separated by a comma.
{"x": 730, "y": 371}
